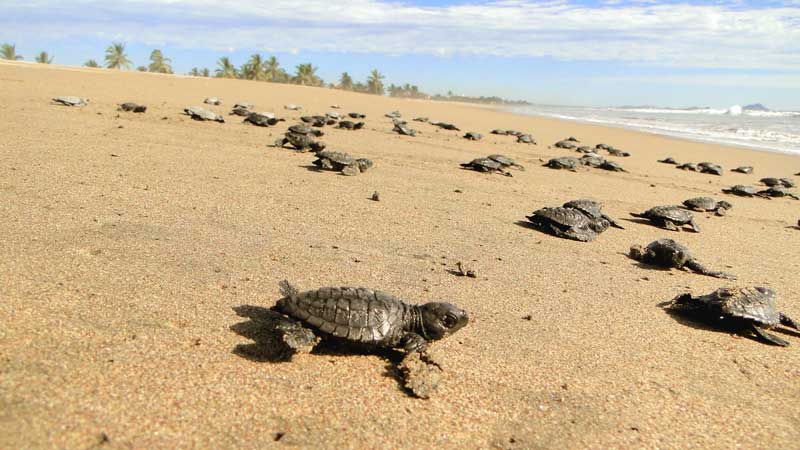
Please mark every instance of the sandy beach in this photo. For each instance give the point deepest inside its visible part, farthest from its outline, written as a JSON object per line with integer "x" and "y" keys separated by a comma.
{"x": 128, "y": 242}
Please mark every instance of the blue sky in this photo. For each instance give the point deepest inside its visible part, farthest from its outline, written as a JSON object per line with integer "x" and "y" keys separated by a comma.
{"x": 601, "y": 52}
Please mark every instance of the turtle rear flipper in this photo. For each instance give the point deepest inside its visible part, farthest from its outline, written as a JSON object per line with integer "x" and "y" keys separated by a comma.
{"x": 788, "y": 322}
{"x": 694, "y": 226}
{"x": 612, "y": 222}
{"x": 768, "y": 337}
{"x": 699, "y": 268}
{"x": 670, "y": 226}
{"x": 287, "y": 290}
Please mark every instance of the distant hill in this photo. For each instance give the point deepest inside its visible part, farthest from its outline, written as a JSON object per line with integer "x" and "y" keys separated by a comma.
{"x": 755, "y": 107}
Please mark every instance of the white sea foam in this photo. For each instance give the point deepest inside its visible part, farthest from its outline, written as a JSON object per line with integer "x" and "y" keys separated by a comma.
{"x": 766, "y": 130}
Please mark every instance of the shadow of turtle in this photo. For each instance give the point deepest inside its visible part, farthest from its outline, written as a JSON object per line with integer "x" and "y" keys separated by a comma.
{"x": 278, "y": 338}
{"x": 644, "y": 265}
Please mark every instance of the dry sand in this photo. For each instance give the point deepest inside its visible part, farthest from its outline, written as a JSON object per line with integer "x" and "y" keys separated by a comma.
{"x": 126, "y": 242}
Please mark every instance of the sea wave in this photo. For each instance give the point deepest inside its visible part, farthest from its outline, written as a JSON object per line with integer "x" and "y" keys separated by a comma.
{"x": 733, "y": 110}
{"x": 759, "y": 131}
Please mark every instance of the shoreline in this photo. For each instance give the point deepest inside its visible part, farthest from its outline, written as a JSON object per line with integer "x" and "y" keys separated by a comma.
{"x": 658, "y": 132}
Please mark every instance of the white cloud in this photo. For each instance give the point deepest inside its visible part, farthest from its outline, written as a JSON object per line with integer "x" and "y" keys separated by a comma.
{"x": 724, "y": 34}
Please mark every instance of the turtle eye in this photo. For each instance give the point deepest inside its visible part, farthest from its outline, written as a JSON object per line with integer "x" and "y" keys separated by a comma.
{"x": 449, "y": 320}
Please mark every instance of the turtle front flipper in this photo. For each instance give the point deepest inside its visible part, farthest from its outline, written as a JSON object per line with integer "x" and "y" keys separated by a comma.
{"x": 694, "y": 226}
{"x": 699, "y": 268}
{"x": 788, "y": 322}
{"x": 412, "y": 342}
{"x": 612, "y": 222}
{"x": 668, "y": 224}
{"x": 721, "y": 211}
{"x": 768, "y": 337}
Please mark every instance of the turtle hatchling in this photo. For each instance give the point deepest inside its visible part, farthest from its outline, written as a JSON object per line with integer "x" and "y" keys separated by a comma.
{"x": 564, "y": 162}
{"x": 132, "y": 107}
{"x": 372, "y": 318}
{"x": 505, "y": 161}
{"x": 342, "y": 162}
{"x": 592, "y": 160}
{"x": 785, "y": 182}
{"x": 744, "y": 310}
{"x": 202, "y": 114}
{"x": 71, "y": 101}
{"x": 569, "y": 145}
{"x": 687, "y": 166}
{"x": 708, "y": 167}
{"x": 473, "y": 136}
{"x": 212, "y": 101}
{"x": 617, "y": 152}
{"x": 485, "y": 165}
{"x": 592, "y": 209}
{"x": 668, "y": 160}
{"x": 499, "y": 132}
{"x": 743, "y": 191}
{"x": 356, "y": 115}
{"x": 525, "y": 139}
{"x": 261, "y": 119}
{"x": 404, "y": 130}
{"x": 670, "y": 217}
{"x": 350, "y": 125}
{"x": 704, "y": 204}
{"x": 743, "y": 169}
{"x": 567, "y": 223}
{"x": 612, "y": 166}
{"x": 668, "y": 253}
{"x": 445, "y": 126}
{"x": 777, "y": 191}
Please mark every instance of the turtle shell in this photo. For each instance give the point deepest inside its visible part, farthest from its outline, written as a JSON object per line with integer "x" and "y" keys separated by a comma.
{"x": 566, "y": 144}
{"x": 668, "y": 160}
{"x": 300, "y": 129}
{"x": 612, "y": 166}
{"x": 586, "y": 206}
{"x": 525, "y": 138}
{"x": 337, "y": 157}
{"x": 673, "y": 213}
{"x": 701, "y": 203}
{"x": 743, "y": 169}
{"x": 770, "y": 181}
{"x": 353, "y": 314}
{"x": 485, "y": 164}
{"x": 502, "y": 159}
{"x": 752, "y": 303}
{"x": 564, "y": 162}
{"x": 740, "y": 189}
{"x": 565, "y": 217}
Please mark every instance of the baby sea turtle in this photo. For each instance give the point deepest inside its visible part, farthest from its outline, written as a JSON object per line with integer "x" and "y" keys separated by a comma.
{"x": 261, "y": 119}
{"x": 569, "y": 145}
{"x": 668, "y": 160}
{"x": 333, "y": 115}
{"x": 617, "y": 152}
{"x": 399, "y": 128}
{"x": 71, "y": 101}
{"x": 304, "y": 129}
{"x": 747, "y": 309}
{"x": 612, "y": 166}
{"x": 238, "y": 110}
{"x": 292, "y": 107}
{"x": 356, "y": 115}
{"x": 592, "y": 209}
{"x": 132, "y": 107}
{"x": 499, "y": 132}
{"x": 592, "y": 160}
{"x": 473, "y": 136}
{"x": 668, "y": 253}
{"x": 743, "y": 169}
{"x": 567, "y": 223}
{"x": 687, "y": 166}
{"x": 485, "y": 165}
{"x": 564, "y": 162}
{"x": 525, "y": 139}
{"x": 603, "y": 146}
{"x": 342, "y": 162}
{"x": 669, "y": 217}
{"x": 505, "y": 161}
{"x": 572, "y": 139}
{"x": 373, "y": 318}
{"x": 445, "y": 126}
{"x": 393, "y": 115}
{"x": 197, "y": 113}
{"x": 743, "y": 191}
{"x": 212, "y": 101}
{"x": 777, "y": 191}
{"x": 586, "y": 149}
{"x": 770, "y": 181}
{"x": 704, "y": 204}
{"x": 420, "y": 119}
{"x": 350, "y": 125}
{"x": 708, "y": 167}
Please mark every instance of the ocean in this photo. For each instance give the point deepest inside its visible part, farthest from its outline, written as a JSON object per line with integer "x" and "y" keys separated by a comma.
{"x": 764, "y": 130}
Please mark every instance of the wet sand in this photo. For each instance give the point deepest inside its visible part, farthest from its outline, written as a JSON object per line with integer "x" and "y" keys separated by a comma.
{"x": 128, "y": 242}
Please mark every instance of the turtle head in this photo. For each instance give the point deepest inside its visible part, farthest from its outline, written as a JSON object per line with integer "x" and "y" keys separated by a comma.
{"x": 722, "y": 204}
{"x": 636, "y": 252}
{"x": 441, "y": 319}
{"x": 685, "y": 303}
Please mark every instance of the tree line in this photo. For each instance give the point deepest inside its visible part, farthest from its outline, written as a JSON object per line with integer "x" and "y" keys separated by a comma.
{"x": 258, "y": 68}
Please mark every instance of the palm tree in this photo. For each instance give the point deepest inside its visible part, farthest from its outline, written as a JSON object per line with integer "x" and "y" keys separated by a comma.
{"x": 307, "y": 75}
{"x": 374, "y": 82}
{"x": 9, "y": 51}
{"x": 205, "y": 72}
{"x": 116, "y": 57}
{"x": 91, "y": 63}
{"x": 44, "y": 58}
{"x": 346, "y": 82}
{"x": 226, "y": 69}
{"x": 254, "y": 69}
{"x": 195, "y": 72}
{"x": 272, "y": 69}
{"x": 158, "y": 63}
{"x": 142, "y": 68}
